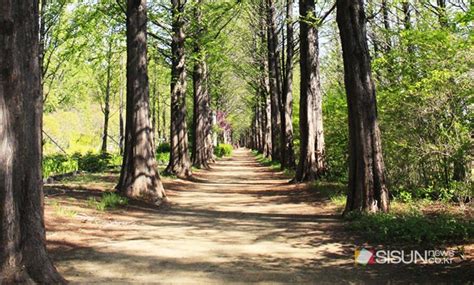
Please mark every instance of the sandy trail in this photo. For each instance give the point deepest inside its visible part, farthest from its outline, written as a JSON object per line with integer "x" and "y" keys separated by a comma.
{"x": 238, "y": 222}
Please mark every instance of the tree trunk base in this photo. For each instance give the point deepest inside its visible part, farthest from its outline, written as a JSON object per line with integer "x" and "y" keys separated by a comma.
{"x": 147, "y": 189}
{"x": 180, "y": 171}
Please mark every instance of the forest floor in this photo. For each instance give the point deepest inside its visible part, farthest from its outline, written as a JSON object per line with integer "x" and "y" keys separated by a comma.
{"x": 237, "y": 222}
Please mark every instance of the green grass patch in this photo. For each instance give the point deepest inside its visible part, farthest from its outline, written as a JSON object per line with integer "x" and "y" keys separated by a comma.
{"x": 412, "y": 228}
{"x": 273, "y": 164}
{"x": 223, "y": 150}
{"x": 336, "y": 192}
{"x": 109, "y": 201}
{"x": 62, "y": 211}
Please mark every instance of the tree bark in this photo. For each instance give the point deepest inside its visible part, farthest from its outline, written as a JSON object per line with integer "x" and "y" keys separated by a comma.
{"x": 367, "y": 191}
{"x": 139, "y": 177}
{"x": 274, "y": 80}
{"x": 23, "y": 255}
{"x": 312, "y": 149}
{"x": 106, "y": 109}
{"x": 265, "y": 86}
{"x": 288, "y": 153}
{"x": 201, "y": 115}
{"x": 180, "y": 164}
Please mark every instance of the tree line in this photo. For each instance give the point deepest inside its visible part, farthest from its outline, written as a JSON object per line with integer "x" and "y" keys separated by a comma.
{"x": 372, "y": 49}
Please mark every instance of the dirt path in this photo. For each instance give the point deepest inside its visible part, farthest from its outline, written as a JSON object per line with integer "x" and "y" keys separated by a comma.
{"x": 238, "y": 222}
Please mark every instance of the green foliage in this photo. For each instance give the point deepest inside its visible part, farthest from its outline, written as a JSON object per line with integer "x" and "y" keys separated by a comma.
{"x": 62, "y": 211}
{"x": 412, "y": 228}
{"x": 92, "y": 162}
{"x": 223, "y": 150}
{"x": 162, "y": 157}
{"x": 335, "y": 191}
{"x": 163, "y": 147}
{"x": 109, "y": 201}
{"x": 58, "y": 164}
{"x": 273, "y": 164}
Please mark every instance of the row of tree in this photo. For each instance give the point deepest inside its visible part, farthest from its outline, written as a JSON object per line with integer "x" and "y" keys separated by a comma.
{"x": 272, "y": 131}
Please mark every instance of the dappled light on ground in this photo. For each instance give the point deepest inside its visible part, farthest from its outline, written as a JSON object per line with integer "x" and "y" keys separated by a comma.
{"x": 238, "y": 222}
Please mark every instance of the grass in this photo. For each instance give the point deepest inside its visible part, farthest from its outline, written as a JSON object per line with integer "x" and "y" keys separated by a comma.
{"x": 109, "y": 201}
{"x": 273, "y": 164}
{"x": 63, "y": 212}
{"x": 333, "y": 190}
{"x": 413, "y": 228}
{"x": 415, "y": 222}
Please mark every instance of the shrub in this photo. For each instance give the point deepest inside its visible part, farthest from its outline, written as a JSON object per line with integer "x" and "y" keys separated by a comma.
{"x": 108, "y": 201}
{"x": 162, "y": 157}
{"x": 413, "y": 228}
{"x": 222, "y": 150}
{"x": 163, "y": 147}
{"x": 115, "y": 160}
{"x": 91, "y": 162}
{"x": 58, "y": 164}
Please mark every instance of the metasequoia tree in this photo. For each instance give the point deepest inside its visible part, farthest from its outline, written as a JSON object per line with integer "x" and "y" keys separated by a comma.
{"x": 367, "y": 190}
{"x": 180, "y": 164}
{"x": 265, "y": 85}
{"x": 311, "y": 163}
{"x": 139, "y": 177}
{"x": 202, "y": 141}
{"x": 287, "y": 153}
{"x": 274, "y": 79}
{"x": 107, "y": 91}
{"x": 23, "y": 256}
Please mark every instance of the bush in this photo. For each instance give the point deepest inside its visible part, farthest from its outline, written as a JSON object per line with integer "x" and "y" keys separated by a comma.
{"x": 164, "y": 147}
{"x": 58, "y": 164}
{"x": 413, "y": 228}
{"x": 91, "y": 162}
{"x": 162, "y": 157}
{"x": 222, "y": 150}
{"x": 115, "y": 160}
{"x": 108, "y": 201}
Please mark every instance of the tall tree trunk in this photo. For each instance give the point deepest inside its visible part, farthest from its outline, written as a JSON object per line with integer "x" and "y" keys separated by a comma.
{"x": 288, "y": 154}
{"x": 367, "y": 190}
{"x": 42, "y": 43}
{"x": 180, "y": 164}
{"x": 139, "y": 177}
{"x": 106, "y": 109}
{"x": 265, "y": 85}
{"x": 201, "y": 114}
{"x": 275, "y": 84}
{"x": 312, "y": 150}
{"x": 23, "y": 255}
{"x": 121, "y": 123}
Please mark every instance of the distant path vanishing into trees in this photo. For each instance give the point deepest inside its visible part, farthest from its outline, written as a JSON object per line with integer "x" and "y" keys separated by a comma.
{"x": 238, "y": 222}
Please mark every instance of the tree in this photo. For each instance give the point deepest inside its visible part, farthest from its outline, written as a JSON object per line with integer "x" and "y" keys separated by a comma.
{"x": 107, "y": 91}
{"x": 139, "y": 177}
{"x": 201, "y": 156}
{"x": 311, "y": 163}
{"x": 274, "y": 79}
{"x": 265, "y": 86}
{"x": 367, "y": 189}
{"x": 288, "y": 154}
{"x": 23, "y": 255}
{"x": 180, "y": 164}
